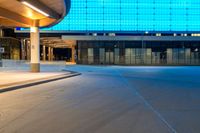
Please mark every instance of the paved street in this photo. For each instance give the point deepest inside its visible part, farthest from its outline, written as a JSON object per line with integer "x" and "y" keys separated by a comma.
{"x": 109, "y": 99}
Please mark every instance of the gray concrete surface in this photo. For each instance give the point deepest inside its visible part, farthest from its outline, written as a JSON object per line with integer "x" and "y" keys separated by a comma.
{"x": 22, "y": 65}
{"x": 17, "y": 73}
{"x": 19, "y": 77}
{"x": 107, "y": 100}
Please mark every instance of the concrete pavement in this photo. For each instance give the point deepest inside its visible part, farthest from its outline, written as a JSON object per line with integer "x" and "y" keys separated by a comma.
{"x": 107, "y": 100}
{"x": 18, "y": 77}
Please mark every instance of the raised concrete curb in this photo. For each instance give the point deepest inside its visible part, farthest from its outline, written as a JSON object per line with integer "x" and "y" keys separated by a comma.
{"x": 21, "y": 85}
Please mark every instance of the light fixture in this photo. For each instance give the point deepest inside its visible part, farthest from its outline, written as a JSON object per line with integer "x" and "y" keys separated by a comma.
{"x": 35, "y": 8}
{"x": 33, "y": 29}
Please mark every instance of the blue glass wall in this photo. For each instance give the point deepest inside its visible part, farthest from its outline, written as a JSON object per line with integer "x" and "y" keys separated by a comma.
{"x": 131, "y": 15}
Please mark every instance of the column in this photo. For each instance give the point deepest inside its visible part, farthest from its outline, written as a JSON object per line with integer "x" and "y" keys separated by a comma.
{"x": 28, "y": 53}
{"x": 44, "y": 53}
{"x": 35, "y": 49}
{"x": 23, "y": 51}
{"x": 49, "y": 53}
{"x": 52, "y": 56}
{"x": 73, "y": 54}
{"x": 1, "y": 32}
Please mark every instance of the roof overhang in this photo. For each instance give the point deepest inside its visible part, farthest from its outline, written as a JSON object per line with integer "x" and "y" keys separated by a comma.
{"x": 55, "y": 42}
{"x": 32, "y": 13}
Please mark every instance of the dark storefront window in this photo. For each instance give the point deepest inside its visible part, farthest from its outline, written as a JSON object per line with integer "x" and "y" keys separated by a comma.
{"x": 12, "y": 48}
{"x": 139, "y": 53}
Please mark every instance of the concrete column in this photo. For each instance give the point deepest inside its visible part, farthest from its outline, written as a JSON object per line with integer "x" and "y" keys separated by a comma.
{"x": 52, "y": 54}
{"x": 44, "y": 53}
{"x": 73, "y": 54}
{"x": 28, "y": 53}
{"x": 49, "y": 53}
{"x": 23, "y": 51}
{"x": 1, "y": 32}
{"x": 35, "y": 49}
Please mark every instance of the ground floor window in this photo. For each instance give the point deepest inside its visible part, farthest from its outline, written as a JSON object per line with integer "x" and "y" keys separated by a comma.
{"x": 139, "y": 53}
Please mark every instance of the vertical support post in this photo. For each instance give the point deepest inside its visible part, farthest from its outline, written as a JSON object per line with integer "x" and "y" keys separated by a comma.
{"x": 49, "y": 53}
{"x": 73, "y": 54}
{"x": 35, "y": 49}
{"x": 1, "y": 32}
{"x": 44, "y": 53}
{"x": 23, "y": 55}
{"x": 28, "y": 53}
{"x": 52, "y": 54}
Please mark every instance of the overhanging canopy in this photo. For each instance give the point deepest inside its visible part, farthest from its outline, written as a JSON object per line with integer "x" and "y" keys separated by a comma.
{"x": 32, "y": 13}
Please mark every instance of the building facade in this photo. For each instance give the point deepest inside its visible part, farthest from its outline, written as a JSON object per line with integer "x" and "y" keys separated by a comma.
{"x": 134, "y": 50}
{"x": 132, "y": 32}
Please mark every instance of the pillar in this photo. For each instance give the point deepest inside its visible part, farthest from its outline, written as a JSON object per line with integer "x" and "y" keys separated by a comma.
{"x": 73, "y": 54}
{"x": 35, "y": 49}
{"x": 1, "y": 32}
{"x": 44, "y": 53}
{"x": 49, "y": 53}
{"x": 23, "y": 49}
{"x": 28, "y": 53}
{"x": 52, "y": 54}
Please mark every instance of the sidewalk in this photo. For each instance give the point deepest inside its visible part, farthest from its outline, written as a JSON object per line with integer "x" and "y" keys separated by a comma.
{"x": 13, "y": 78}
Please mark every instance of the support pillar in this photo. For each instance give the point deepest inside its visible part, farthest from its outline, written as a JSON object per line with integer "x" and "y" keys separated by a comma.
{"x": 44, "y": 53}
{"x": 49, "y": 53}
{"x": 52, "y": 54}
{"x": 28, "y": 51}
{"x": 1, "y": 32}
{"x": 23, "y": 49}
{"x": 35, "y": 49}
{"x": 73, "y": 54}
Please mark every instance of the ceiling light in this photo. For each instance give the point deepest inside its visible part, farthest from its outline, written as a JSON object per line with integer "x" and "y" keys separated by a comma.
{"x": 35, "y": 8}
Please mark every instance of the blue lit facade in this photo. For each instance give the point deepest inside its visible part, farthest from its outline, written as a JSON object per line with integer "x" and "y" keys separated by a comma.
{"x": 132, "y": 32}
{"x": 131, "y": 16}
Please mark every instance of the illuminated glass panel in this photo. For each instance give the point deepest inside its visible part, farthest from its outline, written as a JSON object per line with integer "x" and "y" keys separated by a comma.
{"x": 131, "y": 15}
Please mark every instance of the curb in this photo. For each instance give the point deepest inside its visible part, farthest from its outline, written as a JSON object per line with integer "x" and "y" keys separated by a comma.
{"x": 38, "y": 82}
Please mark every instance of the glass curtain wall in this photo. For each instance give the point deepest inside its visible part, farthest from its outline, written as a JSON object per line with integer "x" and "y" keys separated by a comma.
{"x": 133, "y": 53}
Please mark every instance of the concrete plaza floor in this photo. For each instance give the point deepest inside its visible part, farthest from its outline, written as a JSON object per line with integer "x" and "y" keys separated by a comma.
{"x": 107, "y": 99}
{"x": 10, "y": 78}
{"x": 18, "y": 75}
